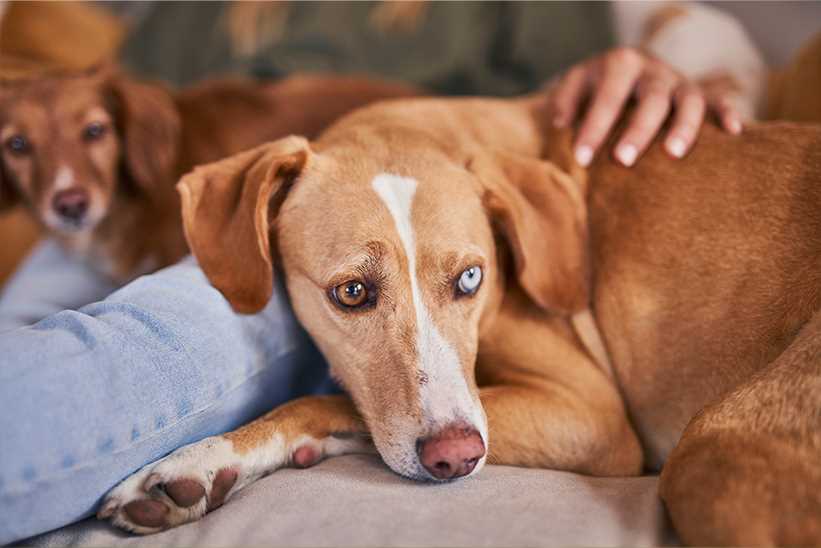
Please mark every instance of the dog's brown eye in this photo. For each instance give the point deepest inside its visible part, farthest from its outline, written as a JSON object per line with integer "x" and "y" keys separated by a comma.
{"x": 94, "y": 131}
{"x": 17, "y": 144}
{"x": 351, "y": 294}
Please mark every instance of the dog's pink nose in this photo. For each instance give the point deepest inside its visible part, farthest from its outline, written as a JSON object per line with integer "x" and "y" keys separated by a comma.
{"x": 71, "y": 204}
{"x": 452, "y": 452}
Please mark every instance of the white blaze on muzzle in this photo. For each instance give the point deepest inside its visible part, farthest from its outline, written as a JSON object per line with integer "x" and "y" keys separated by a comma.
{"x": 445, "y": 397}
{"x": 64, "y": 179}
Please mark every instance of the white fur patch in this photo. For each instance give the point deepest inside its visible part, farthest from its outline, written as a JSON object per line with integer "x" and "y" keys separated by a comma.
{"x": 201, "y": 461}
{"x": 445, "y": 398}
{"x": 64, "y": 179}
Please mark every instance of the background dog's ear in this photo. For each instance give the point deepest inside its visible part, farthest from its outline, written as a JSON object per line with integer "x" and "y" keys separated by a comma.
{"x": 149, "y": 124}
{"x": 227, "y": 207}
{"x": 540, "y": 211}
{"x": 9, "y": 196}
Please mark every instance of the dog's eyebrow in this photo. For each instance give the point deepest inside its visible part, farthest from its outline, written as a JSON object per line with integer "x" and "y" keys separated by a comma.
{"x": 8, "y": 130}
{"x": 366, "y": 261}
{"x": 95, "y": 113}
{"x": 453, "y": 262}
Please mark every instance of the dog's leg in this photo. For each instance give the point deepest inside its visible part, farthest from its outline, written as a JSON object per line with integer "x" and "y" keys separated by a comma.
{"x": 546, "y": 425}
{"x": 746, "y": 470}
{"x": 547, "y": 403}
{"x": 199, "y": 477}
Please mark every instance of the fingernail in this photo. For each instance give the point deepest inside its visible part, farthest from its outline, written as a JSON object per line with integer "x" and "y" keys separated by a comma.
{"x": 584, "y": 154}
{"x": 734, "y": 125}
{"x": 627, "y": 154}
{"x": 676, "y": 147}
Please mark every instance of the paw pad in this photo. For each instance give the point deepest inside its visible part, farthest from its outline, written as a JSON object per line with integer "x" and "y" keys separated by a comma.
{"x": 223, "y": 482}
{"x": 305, "y": 456}
{"x": 185, "y": 492}
{"x": 148, "y": 513}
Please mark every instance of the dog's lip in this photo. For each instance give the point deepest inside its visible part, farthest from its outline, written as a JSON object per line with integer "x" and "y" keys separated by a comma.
{"x": 72, "y": 226}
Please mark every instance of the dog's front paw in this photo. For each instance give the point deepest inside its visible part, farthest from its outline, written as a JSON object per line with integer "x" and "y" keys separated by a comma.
{"x": 179, "y": 488}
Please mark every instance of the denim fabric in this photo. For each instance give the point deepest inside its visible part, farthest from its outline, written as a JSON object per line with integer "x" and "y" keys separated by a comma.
{"x": 89, "y": 396}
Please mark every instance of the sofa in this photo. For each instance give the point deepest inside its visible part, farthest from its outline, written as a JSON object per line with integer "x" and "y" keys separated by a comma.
{"x": 357, "y": 501}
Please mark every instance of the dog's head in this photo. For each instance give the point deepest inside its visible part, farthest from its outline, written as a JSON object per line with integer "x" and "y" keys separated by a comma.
{"x": 392, "y": 265}
{"x": 69, "y": 142}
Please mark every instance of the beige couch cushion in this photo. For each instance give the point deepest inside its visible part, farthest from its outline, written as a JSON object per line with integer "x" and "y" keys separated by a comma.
{"x": 357, "y": 501}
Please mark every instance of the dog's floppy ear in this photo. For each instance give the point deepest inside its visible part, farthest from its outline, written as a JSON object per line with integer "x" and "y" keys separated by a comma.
{"x": 149, "y": 124}
{"x": 9, "y": 196}
{"x": 227, "y": 207}
{"x": 541, "y": 213}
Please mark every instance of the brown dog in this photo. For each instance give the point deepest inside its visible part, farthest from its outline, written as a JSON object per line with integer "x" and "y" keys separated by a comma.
{"x": 442, "y": 255}
{"x": 94, "y": 155}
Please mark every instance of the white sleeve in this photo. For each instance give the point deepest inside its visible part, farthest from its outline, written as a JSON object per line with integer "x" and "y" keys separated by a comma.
{"x": 702, "y": 42}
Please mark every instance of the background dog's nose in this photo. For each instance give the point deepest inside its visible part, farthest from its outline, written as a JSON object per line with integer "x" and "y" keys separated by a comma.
{"x": 71, "y": 204}
{"x": 451, "y": 453}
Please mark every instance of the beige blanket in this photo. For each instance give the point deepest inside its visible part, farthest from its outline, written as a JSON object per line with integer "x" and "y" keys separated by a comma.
{"x": 357, "y": 501}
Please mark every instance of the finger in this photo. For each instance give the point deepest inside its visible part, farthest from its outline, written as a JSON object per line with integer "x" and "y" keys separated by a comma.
{"x": 566, "y": 96}
{"x": 654, "y": 106}
{"x": 690, "y": 108}
{"x": 727, "y": 113}
{"x": 615, "y": 87}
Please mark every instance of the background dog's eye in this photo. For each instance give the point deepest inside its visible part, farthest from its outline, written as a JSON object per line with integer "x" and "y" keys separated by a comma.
{"x": 469, "y": 281}
{"x": 93, "y": 131}
{"x": 17, "y": 144}
{"x": 351, "y": 294}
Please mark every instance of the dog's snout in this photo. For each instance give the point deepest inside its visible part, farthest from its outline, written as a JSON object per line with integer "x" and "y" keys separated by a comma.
{"x": 451, "y": 453}
{"x": 71, "y": 204}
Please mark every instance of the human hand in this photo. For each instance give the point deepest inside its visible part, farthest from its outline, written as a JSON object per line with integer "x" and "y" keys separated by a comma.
{"x": 610, "y": 79}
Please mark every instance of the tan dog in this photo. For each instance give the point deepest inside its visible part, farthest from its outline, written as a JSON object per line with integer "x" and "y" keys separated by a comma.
{"x": 412, "y": 300}
{"x": 437, "y": 261}
{"x": 94, "y": 155}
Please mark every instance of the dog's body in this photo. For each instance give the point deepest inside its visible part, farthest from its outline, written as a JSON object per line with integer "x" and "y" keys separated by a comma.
{"x": 412, "y": 358}
{"x": 704, "y": 283}
{"x": 723, "y": 248}
{"x": 100, "y": 152}
{"x": 707, "y": 292}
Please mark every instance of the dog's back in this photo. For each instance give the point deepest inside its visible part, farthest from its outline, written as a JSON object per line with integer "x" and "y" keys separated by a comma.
{"x": 224, "y": 116}
{"x": 706, "y": 268}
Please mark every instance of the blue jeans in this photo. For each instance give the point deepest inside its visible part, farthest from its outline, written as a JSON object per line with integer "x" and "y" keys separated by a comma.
{"x": 88, "y": 396}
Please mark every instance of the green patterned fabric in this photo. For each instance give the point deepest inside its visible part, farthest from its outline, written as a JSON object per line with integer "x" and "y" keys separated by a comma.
{"x": 495, "y": 48}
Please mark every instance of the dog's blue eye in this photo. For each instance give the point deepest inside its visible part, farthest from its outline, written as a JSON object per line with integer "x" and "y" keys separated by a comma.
{"x": 17, "y": 144}
{"x": 469, "y": 280}
{"x": 93, "y": 131}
